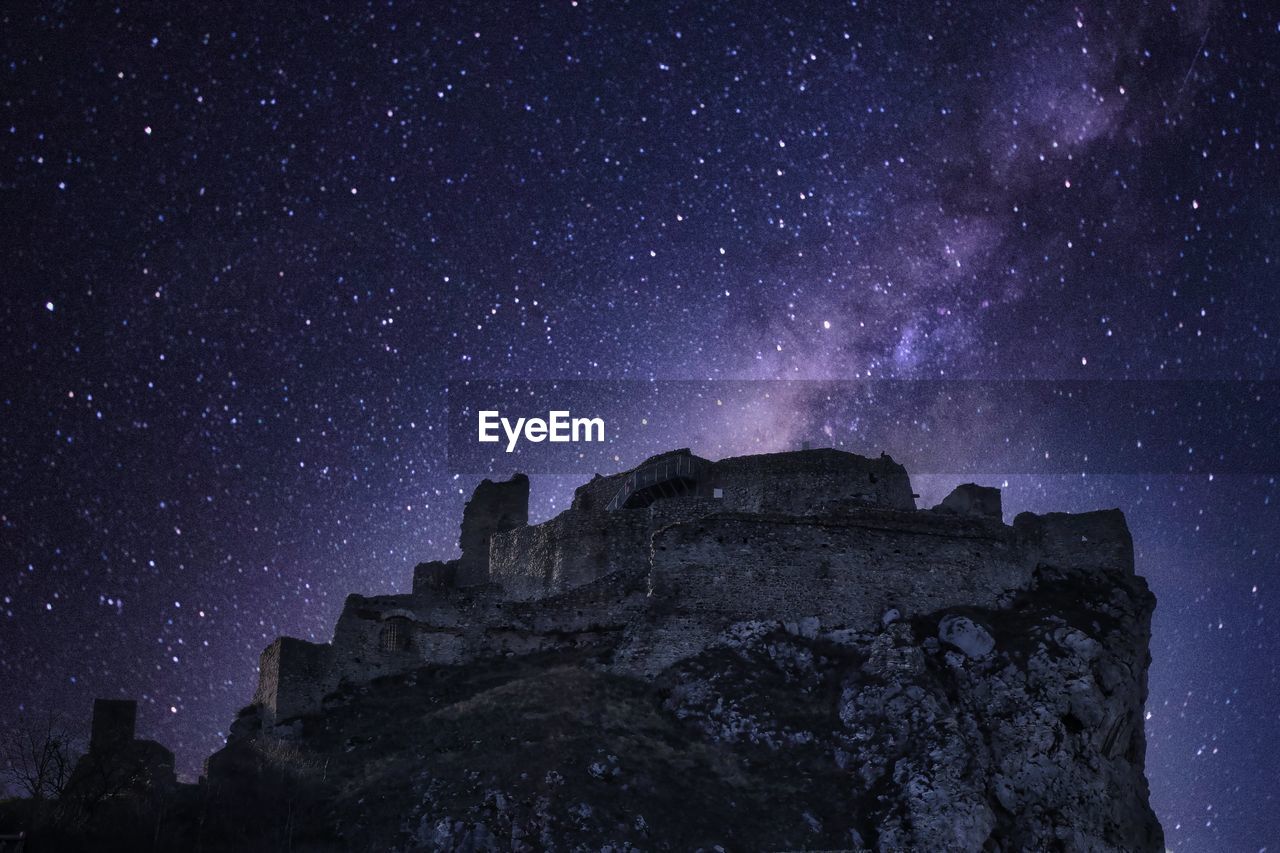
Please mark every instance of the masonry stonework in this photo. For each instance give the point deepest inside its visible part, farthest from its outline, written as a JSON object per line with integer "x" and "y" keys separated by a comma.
{"x": 493, "y": 508}
{"x": 291, "y": 676}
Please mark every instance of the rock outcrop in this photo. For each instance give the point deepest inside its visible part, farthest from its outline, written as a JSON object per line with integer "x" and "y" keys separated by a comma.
{"x": 769, "y": 652}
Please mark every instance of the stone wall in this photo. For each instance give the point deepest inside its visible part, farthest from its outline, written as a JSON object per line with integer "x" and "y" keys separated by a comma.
{"x": 579, "y": 547}
{"x": 292, "y": 677}
{"x": 453, "y": 627}
{"x": 432, "y": 631}
{"x": 845, "y": 571}
{"x": 574, "y": 548}
{"x": 605, "y": 604}
{"x": 672, "y": 510}
{"x": 493, "y": 508}
{"x": 848, "y": 571}
{"x": 585, "y": 542}
{"x": 811, "y": 482}
{"x": 1077, "y": 540}
{"x": 434, "y": 576}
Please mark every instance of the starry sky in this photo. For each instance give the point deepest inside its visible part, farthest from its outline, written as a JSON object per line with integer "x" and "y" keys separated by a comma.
{"x": 245, "y": 249}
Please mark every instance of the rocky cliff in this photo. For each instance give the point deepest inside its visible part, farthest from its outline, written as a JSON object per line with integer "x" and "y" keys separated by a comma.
{"x": 863, "y": 676}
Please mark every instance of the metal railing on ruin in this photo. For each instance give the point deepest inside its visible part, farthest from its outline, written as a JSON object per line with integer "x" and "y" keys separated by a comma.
{"x": 682, "y": 469}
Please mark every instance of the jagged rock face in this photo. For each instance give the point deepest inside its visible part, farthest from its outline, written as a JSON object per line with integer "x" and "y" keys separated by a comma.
{"x": 1011, "y": 727}
{"x": 1018, "y": 728}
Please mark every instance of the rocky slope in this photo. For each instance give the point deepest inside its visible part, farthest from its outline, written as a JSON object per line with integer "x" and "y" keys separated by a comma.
{"x": 1009, "y": 728}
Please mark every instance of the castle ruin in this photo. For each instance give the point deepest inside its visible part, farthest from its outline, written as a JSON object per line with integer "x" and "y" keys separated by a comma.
{"x": 658, "y": 561}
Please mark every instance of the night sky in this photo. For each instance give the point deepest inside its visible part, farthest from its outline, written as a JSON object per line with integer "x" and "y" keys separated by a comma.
{"x": 244, "y": 250}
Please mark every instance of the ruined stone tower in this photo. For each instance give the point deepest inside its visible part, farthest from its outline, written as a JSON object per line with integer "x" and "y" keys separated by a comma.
{"x": 118, "y": 762}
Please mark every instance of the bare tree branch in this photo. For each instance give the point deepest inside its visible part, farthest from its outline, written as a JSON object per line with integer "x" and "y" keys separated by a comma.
{"x": 37, "y": 754}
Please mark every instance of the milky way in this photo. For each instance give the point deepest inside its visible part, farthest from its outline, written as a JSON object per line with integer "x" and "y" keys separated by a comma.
{"x": 245, "y": 250}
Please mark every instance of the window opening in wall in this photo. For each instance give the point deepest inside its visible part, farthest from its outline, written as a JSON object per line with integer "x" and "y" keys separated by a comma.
{"x": 396, "y": 635}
